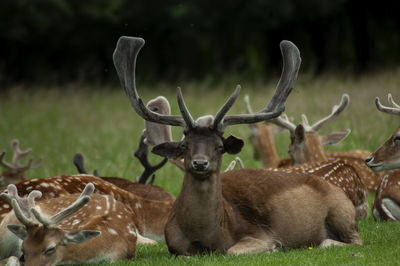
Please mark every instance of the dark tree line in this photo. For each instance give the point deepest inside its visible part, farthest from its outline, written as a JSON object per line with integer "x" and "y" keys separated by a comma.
{"x": 69, "y": 40}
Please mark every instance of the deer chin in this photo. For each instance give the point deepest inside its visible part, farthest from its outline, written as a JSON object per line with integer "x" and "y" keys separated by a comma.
{"x": 200, "y": 175}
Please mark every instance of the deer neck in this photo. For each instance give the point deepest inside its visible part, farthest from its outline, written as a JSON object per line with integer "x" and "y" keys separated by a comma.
{"x": 201, "y": 209}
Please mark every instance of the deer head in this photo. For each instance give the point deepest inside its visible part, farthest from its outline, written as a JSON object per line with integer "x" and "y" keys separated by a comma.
{"x": 306, "y": 145}
{"x": 43, "y": 240}
{"x": 203, "y": 143}
{"x": 15, "y": 171}
{"x": 387, "y": 156}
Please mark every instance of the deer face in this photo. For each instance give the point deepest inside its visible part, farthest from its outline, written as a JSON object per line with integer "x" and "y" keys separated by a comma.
{"x": 45, "y": 245}
{"x": 387, "y": 156}
{"x": 11, "y": 177}
{"x": 202, "y": 149}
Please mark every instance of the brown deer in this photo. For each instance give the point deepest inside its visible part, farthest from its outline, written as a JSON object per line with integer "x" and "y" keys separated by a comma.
{"x": 14, "y": 171}
{"x": 69, "y": 229}
{"x": 151, "y": 214}
{"x": 387, "y": 157}
{"x": 246, "y": 210}
{"x": 307, "y": 146}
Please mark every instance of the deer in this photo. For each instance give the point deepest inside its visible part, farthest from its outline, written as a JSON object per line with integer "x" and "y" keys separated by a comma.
{"x": 386, "y": 204}
{"x": 152, "y": 214}
{"x": 244, "y": 210}
{"x": 14, "y": 170}
{"x": 307, "y": 146}
{"x": 72, "y": 228}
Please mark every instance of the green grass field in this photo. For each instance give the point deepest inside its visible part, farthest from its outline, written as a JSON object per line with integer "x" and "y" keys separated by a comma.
{"x": 100, "y": 123}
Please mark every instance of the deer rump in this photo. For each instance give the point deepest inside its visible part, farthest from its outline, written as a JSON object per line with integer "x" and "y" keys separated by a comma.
{"x": 294, "y": 210}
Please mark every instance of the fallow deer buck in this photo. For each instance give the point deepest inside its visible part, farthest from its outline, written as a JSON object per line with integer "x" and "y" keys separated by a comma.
{"x": 246, "y": 210}
{"x": 387, "y": 157}
{"x": 152, "y": 214}
{"x": 307, "y": 146}
{"x": 336, "y": 171}
{"x": 69, "y": 229}
{"x": 14, "y": 171}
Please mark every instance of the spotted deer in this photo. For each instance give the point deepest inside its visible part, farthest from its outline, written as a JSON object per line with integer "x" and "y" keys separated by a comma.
{"x": 68, "y": 229}
{"x": 307, "y": 146}
{"x": 336, "y": 171}
{"x": 15, "y": 171}
{"x": 245, "y": 210}
{"x": 151, "y": 214}
{"x": 387, "y": 157}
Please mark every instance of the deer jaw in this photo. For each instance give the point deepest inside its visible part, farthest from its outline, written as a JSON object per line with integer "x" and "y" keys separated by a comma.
{"x": 387, "y": 156}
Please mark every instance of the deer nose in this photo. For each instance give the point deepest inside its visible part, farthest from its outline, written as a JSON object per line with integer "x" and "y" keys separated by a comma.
{"x": 200, "y": 165}
{"x": 369, "y": 159}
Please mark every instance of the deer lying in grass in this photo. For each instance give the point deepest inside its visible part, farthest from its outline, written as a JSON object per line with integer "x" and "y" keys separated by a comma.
{"x": 14, "y": 171}
{"x": 307, "y": 146}
{"x": 246, "y": 210}
{"x": 387, "y": 157}
{"x": 151, "y": 214}
{"x": 336, "y": 171}
{"x": 68, "y": 229}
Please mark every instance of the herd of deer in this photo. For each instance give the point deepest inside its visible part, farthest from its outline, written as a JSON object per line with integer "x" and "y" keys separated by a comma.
{"x": 312, "y": 198}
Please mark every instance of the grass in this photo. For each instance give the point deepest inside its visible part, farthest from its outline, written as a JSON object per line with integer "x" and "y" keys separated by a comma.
{"x": 99, "y": 122}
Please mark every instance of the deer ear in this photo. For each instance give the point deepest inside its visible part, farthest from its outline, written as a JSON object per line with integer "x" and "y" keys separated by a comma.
{"x": 80, "y": 236}
{"x": 233, "y": 145}
{"x": 170, "y": 150}
{"x": 299, "y": 134}
{"x": 335, "y": 137}
{"x": 18, "y": 230}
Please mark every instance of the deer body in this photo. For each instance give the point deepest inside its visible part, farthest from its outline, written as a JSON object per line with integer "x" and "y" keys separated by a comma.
{"x": 151, "y": 214}
{"x": 266, "y": 209}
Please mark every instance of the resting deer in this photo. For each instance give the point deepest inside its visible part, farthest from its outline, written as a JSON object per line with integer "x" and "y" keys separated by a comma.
{"x": 246, "y": 210}
{"x": 387, "y": 157}
{"x": 151, "y": 214}
{"x": 307, "y": 146}
{"x": 68, "y": 229}
{"x": 14, "y": 171}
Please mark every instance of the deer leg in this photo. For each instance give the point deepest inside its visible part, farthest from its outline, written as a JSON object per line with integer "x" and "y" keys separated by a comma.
{"x": 144, "y": 240}
{"x": 251, "y": 245}
{"x": 331, "y": 242}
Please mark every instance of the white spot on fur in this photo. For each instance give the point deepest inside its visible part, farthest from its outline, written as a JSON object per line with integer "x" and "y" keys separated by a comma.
{"x": 112, "y": 231}
{"x": 76, "y": 221}
{"x": 138, "y": 205}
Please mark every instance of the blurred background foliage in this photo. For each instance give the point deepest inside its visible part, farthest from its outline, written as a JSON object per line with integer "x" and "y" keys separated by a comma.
{"x": 59, "y": 41}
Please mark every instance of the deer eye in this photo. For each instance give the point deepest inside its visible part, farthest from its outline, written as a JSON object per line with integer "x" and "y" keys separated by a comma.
{"x": 219, "y": 148}
{"x": 396, "y": 139}
{"x": 50, "y": 250}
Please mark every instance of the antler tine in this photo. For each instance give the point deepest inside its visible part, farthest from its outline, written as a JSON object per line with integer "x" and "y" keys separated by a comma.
{"x": 336, "y": 110}
{"x": 74, "y": 207}
{"x": 283, "y": 121}
{"x": 386, "y": 109}
{"x": 304, "y": 121}
{"x": 4, "y": 163}
{"x": 247, "y": 102}
{"x": 124, "y": 58}
{"x": 184, "y": 111}
{"x": 391, "y": 101}
{"x": 18, "y": 154}
{"x": 291, "y": 65}
{"x": 79, "y": 163}
{"x": 142, "y": 154}
{"x": 219, "y": 117}
{"x": 20, "y": 216}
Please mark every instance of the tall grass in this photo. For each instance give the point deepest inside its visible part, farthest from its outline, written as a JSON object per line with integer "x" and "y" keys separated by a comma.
{"x": 100, "y": 123}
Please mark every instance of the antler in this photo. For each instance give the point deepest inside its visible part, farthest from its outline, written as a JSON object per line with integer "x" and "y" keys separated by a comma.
{"x": 336, "y": 110}
{"x": 284, "y": 122}
{"x": 74, "y": 207}
{"x": 79, "y": 163}
{"x": 291, "y": 65}
{"x": 124, "y": 58}
{"x": 20, "y": 205}
{"x": 158, "y": 133}
{"x": 142, "y": 154}
{"x": 125, "y": 63}
{"x": 18, "y": 154}
{"x": 395, "y": 109}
